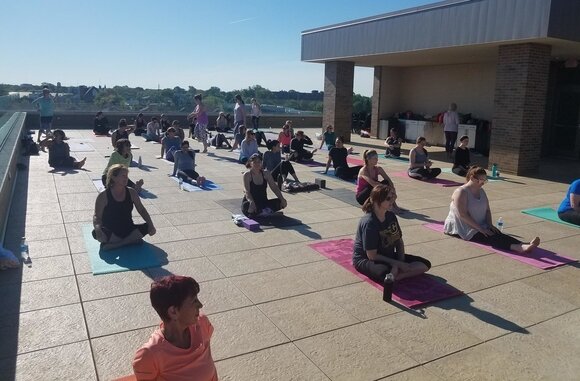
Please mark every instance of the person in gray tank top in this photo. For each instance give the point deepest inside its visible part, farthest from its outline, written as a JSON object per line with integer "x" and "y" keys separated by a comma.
{"x": 419, "y": 163}
{"x": 470, "y": 218}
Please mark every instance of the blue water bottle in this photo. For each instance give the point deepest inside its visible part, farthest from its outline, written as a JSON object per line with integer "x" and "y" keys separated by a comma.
{"x": 494, "y": 170}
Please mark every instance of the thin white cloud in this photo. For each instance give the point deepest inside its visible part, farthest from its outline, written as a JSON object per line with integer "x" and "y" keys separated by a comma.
{"x": 242, "y": 20}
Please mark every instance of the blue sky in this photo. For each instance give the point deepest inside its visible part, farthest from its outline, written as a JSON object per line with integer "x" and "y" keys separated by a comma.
{"x": 229, "y": 44}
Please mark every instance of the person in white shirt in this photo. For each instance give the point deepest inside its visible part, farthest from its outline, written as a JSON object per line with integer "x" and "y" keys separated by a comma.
{"x": 450, "y": 127}
{"x": 256, "y": 113}
{"x": 153, "y": 130}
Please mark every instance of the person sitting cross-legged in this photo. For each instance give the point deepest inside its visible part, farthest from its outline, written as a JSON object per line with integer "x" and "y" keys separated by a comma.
{"x": 420, "y": 167}
{"x": 379, "y": 251}
{"x": 569, "y": 209}
{"x": 184, "y": 165}
{"x": 113, "y": 221}
{"x": 179, "y": 349}
{"x": 393, "y": 144}
{"x": 256, "y": 182}
{"x": 462, "y": 161}
{"x": 278, "y": 168}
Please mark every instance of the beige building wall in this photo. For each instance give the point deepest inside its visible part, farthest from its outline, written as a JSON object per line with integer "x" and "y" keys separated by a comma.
{"x": 430, "y": 89}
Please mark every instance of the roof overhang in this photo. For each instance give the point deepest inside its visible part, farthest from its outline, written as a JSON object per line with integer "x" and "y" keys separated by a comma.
{"x": 448, "y": 32}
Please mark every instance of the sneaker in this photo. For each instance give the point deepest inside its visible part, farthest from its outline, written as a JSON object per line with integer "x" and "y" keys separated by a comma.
{"x": 388, "y": 287}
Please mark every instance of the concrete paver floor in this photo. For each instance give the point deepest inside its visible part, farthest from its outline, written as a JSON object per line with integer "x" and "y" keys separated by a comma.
{"x": 282, "y": 311}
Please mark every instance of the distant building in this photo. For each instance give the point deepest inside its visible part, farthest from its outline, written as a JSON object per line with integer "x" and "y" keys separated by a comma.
{"x": 514, "y": 62}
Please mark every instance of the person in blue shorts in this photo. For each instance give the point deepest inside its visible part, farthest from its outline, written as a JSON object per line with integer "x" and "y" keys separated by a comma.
{"x": 569, "y": 209}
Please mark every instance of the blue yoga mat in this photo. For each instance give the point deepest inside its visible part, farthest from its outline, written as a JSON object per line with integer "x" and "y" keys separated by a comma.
{"x": 207, "y": 185}
{"x": 132, "y": 257}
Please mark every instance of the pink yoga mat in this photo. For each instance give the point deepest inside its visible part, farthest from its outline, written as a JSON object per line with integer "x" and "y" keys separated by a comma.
{"x": 355, "y": 160}
{"x": 436, "y": 181}
{"x": 411, "y": 292}
{"x": 540, "y": 258}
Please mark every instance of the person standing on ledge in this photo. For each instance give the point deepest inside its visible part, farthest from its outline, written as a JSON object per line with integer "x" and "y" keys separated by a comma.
{"x": 450, "y": 127}
{"x": 200, "y": 129}
{"x": 45, "y": 105}
{"x": 113, "y": 222}
{"x": 569, "y": 209}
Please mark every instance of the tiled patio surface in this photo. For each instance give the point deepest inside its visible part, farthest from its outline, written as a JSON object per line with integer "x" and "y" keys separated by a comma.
{"x": 282, "y": 311}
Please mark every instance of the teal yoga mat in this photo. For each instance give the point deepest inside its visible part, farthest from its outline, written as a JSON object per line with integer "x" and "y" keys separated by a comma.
{"x": 547, "y": 213}
{"x": 133, "y": 257}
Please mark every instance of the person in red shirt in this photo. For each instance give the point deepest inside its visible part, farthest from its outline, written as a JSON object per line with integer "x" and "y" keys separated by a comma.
{"x": 179, "y": 349}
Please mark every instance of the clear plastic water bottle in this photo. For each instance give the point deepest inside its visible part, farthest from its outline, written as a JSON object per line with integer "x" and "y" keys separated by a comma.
{"x": 24, "y": 255}
{"x": 500, "y": 224}
{"x": 140, "y": 162}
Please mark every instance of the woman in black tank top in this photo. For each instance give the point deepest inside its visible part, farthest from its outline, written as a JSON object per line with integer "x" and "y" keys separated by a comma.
{"x": 256, "y": 182}
{"x": 113, "y": 223}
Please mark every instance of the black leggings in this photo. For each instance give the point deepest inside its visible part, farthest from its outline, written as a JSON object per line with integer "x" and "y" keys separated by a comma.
{"x": 187, "y": 173}
{"x": 450, "y": 139}
{"x": 376, "y": 271}
{"x": 299, "y": 156}
{"x": 365, "y": 193}
{"x": 273, "y": 204}
{"x": 497, "y": 241}
{"x": 130, "y": 184}
{"x": 393, "y": 152}
{"x": 570, "y": 216}
{"x": 143, "y": 229}
{"x": 283, "y": 169}
{"x": 347, "y": 173}
{"x": 424, "y": 173}
{"x": 459, "y": 170}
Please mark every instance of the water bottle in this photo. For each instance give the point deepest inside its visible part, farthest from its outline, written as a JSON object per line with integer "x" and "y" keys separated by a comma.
{"x": 494, "y": 170}
{"x": 388, "y": 287}
{"x": 24, "y": 255}
{"x": 500, "y": 224}
{"x": 140, "y": 162}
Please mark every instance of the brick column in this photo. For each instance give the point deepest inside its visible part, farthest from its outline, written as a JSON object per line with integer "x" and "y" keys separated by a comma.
{"x": 519, "y": 107}
{"x": 338, "y": 87}
{"x": 376, "y": 101}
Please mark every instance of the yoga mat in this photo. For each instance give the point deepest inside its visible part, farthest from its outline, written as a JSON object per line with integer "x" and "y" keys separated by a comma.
{"x": 355, "y": 160}
{"x": 80, "y": 147}
{"x": 276, "y": 220}
{"x": 132, "y": 257}
{"x": 400, "y": 158}
{"x": 547, "y": 213}
{"x": 345, "y": 195}
{"x": 540, "y": 258}
{"x": 436, "y": 181}
{"x": 410, "y": 292}
{"x": 207, "y": 185}
{"x": 312, "y": 163}
{"x": 331, "y": 175}
{"x": 98, "y": 183}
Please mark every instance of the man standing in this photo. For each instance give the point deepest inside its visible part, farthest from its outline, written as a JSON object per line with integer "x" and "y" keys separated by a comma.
{"x": 45, "y": 105}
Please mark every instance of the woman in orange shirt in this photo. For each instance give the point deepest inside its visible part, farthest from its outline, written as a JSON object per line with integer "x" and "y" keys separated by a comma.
{"x": 179, "y": 349}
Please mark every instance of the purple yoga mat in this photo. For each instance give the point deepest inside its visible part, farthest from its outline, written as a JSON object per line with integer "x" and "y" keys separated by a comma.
{"x": 436, "y": 181}
{"x": 540, "y": 258}
{"x": 411, "y": 292}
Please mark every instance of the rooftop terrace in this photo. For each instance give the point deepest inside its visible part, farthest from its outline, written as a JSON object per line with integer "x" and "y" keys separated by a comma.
{"x": 282, "y": 311}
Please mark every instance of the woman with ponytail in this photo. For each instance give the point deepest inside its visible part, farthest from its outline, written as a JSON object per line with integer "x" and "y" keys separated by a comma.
{"x": 379, "y": 251}
{"x": 368, "y": 178}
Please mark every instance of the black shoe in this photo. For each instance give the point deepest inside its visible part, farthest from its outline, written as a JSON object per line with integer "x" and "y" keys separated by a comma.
{"x": 388, "y": 288}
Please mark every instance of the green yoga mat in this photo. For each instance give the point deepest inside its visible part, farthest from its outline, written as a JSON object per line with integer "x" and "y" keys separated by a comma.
{"x": 547, "y": 213}
{"x": 132, "y": 257}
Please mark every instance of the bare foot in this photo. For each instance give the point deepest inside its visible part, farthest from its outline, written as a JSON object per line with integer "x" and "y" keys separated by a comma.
{"x": 139, "y": 185}
{"x": 533, "y": 244}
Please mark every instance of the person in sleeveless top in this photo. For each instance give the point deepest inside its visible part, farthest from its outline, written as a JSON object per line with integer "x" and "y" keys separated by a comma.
{"x": 140, "y": 125}
{"x": 368, "y": 178}
{"x": 379, "y": 251}
{"x": 256, "y": 181}
{"x": 122, "y": 155}
{"x": 179, "y": 349}
{"x": 113, "y": 223}
{"x": 285, "y": 138}
{"x": 122, "y": 132}
{"x": 419, "y": 163}
{"x": 462, "y": 161}
{"x": 337, "y": 155}
{"x": 59, "y": 151}
{"x": 470, "y": 217}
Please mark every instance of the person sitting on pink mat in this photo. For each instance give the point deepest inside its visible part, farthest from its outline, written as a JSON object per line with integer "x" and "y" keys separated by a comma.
{"x": 470, "y": 218}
